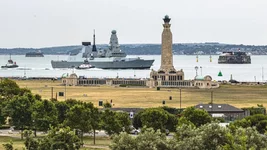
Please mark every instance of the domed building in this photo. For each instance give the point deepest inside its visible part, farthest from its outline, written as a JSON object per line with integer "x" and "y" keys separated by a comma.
{"x": 70, "y": 80}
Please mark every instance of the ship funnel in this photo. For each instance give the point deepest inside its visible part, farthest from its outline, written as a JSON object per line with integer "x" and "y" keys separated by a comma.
{"x": 86, "y": 43}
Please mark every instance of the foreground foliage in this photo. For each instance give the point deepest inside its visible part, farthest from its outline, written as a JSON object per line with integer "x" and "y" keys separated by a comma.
{"x": 208, "y": 137}
{"x": 57, "y": 138}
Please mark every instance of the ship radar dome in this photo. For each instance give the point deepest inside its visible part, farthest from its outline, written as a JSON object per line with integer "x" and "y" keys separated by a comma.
{"x": 113, "y": 31}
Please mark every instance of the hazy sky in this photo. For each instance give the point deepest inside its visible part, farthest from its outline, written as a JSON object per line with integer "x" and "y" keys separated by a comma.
{"x": 45, "y": 23}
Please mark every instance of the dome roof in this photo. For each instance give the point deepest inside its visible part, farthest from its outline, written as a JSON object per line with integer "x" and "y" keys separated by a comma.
{"x": 73, "y": 75}
{"x": 167, "y": 16}
{"x": 199, "y": 77}
{"x": 113, "y": 31}
{"x": 65, "y": 75}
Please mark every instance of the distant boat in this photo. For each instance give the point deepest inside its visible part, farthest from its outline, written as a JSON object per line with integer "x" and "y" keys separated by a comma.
{"x": 85, "y": 65}
{"x": 34, "y": 54}
{"x": 10, "y": 64}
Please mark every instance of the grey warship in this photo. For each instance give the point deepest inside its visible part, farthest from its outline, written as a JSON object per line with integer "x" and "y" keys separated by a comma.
{"x": 111, "y": 58}
{"x": 234, "y": 58}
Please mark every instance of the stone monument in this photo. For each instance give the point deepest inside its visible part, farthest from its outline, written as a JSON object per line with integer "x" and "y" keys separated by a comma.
{"x": 166, "y": 72}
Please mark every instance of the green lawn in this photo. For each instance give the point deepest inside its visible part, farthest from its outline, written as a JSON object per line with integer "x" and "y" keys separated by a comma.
{"x": 237, "y": 95}
{"x": 17, "y": 142}
{"x": 102, "y": 143}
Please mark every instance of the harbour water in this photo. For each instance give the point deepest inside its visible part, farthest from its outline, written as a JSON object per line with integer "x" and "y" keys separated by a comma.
{"x": 41, "y": 67}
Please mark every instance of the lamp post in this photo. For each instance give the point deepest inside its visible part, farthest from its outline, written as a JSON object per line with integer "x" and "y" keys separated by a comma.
{"x": 65, "y": 91}
{"x": 196, "y": 68}
{"x": 201, "y": 70}
{"x": 180, "y": 99}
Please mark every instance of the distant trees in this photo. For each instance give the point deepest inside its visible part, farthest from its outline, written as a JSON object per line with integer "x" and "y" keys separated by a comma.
{"x": 259, "y": 121}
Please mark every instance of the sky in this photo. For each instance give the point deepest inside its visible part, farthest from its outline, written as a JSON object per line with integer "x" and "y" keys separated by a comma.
{"x": 47, "y": 23}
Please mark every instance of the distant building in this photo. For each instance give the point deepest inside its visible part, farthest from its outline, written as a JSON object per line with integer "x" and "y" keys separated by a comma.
{"x": 226, "y": 111}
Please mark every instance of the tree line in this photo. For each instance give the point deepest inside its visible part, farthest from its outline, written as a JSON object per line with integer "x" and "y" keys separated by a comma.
{"x": 65, "y": 123}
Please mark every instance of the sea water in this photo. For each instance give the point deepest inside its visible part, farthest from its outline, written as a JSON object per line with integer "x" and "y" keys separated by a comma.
{"x": 41, "y": 67}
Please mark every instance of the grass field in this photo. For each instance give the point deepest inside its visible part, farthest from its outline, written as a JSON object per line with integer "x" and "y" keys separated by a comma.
{"x": 17, "y": 142}
{"x": 102, "y": 143}
{"x": 237, "y": 95}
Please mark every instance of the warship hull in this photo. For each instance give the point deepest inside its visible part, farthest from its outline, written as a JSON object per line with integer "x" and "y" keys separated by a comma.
{"x": 134, "y": 64}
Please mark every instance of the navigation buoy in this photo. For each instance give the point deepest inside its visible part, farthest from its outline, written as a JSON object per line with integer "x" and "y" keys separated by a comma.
{"x": 210, "y": 58}
{"x": 220, "y": 74}
{"x": 197, "y": 58}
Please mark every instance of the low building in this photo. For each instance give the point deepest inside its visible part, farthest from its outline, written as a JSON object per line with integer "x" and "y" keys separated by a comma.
{"x": 198, "y": 82}
{"x": 226, "y": 111}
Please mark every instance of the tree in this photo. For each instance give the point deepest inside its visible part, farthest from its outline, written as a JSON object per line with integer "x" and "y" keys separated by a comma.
{"x": 62, "y": 108}
{"x": 95, "y": 120}
{"x": 259, "y": 121}
{"x": 114, "y": 122}
{"x": 155, "y": 118}
{"x": 20, "y": 110}
{"x": 123, "y": 141}
{"x": 44, "y": 115}
{"x": 60, "y": 138}
{"x": 30, "y": 142}
{"x": 57, "y": 138}
{"x": 137, "y": 123}
{"x": 8, "y": 89}
{"x": 197, "y": 116}
{"x": 210, "y": 136}
{"x": 149, "y": 139}
{"x": 79, "y": 118}
{"x": 150, "y": 118}
{"x": 2, "y": 117}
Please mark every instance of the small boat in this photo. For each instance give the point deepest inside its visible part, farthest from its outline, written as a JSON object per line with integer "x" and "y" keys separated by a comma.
{"x": 85, "y": 65}
{"x": 10, "y": 64}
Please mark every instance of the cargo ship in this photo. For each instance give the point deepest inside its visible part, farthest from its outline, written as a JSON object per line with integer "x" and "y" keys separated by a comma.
{"x": 34, "y": 54}
{"x": 234, "y": 58}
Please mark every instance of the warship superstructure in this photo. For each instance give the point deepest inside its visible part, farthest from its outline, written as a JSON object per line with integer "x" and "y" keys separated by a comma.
{"x": 234, "y": 58}
{"x": 111, "y": 58}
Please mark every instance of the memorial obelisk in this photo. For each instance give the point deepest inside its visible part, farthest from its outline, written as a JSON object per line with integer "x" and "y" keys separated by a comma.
{"x": 166, "y": 47}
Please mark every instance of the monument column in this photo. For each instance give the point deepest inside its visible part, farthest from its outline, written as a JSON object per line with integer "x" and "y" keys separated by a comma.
{"x": 166, "y": 46}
